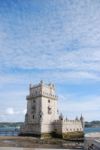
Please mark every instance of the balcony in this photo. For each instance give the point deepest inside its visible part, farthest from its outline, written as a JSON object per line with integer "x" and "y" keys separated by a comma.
{"x": 43, "y": 94}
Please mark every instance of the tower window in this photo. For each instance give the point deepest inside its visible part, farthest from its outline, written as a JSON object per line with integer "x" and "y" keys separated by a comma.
{"x": 49, "y": 101}
{"x": 33, "y": 116}
{"x": 33, "y": 109}
{"x": 49, "y": 110}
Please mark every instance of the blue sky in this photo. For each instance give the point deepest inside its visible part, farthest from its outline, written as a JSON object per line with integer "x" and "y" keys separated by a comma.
{"x": 56, "y": 41}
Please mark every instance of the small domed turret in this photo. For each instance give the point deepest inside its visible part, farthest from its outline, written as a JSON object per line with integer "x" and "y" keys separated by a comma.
{"x": 41, "y": 82}
{"x": 76, "y": 118}
{"x": 30, "y": 85}
{"x": 66, "y": 118}
{"x": 61, "y": 116}
{"x": 82, "y": 120}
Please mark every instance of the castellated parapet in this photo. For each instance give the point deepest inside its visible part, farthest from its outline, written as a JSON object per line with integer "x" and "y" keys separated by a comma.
{"x": 42, "y": 113}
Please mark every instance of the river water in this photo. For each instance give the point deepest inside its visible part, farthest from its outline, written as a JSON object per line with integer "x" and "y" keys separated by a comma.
{"x": 11, "y": 131}
{"x": 89, "y": 130}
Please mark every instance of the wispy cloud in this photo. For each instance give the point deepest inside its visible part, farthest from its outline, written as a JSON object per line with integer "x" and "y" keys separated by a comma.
{"x": 54, "y": 40}
{"x": 63, "y": 44}
{"x": 11, "y": 111}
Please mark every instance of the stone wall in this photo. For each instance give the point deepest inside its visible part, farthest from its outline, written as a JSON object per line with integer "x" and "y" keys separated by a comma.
{"x": 71, "y": 126}
{"x": 30, "y": 129}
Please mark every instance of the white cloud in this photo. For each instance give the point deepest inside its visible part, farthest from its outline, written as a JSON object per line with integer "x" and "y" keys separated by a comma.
{"x": 10, "y": 111}
{"x": 12, "y": 114}
{"x": 24, "y": 111}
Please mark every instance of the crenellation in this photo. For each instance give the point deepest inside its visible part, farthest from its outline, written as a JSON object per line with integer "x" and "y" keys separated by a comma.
{"x": 42, "y": 89}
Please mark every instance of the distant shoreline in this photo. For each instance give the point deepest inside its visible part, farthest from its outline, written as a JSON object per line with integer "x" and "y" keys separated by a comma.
{"x": 92, "y": 124}
{"x": 13, "y": 131}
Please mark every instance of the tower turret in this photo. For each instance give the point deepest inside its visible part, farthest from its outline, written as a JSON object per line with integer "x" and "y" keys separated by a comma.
{"x": 76, "y": 118}
{"x": 82, "y": 120}
{"x": 61, "y": 116}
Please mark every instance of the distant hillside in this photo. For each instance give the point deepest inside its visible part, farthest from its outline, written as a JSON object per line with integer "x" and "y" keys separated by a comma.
{"x": 10, "y": 124}
{"x": 18, "y": 124}
{"x": 92, "y": 124}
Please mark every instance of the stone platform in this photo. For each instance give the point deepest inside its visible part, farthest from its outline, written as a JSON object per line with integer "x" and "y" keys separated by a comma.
{"x": 13, "y": 148}
{"x": 30, "y": 143}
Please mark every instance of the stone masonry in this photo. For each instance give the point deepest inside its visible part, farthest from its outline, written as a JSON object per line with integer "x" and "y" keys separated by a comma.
{"x": 42, "y": 113}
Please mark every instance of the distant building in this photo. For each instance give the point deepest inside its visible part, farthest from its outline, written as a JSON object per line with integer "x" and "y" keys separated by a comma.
{"x": 42, "y": 116}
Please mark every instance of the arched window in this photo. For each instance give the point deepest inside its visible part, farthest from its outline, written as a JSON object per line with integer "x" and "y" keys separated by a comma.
{"x": 66, "y": 129}
{"x": 49, "y": 110}
{"x": 48, "y": 100}
{"x": 34, "y": 101}
{"x": 33, "y": 109}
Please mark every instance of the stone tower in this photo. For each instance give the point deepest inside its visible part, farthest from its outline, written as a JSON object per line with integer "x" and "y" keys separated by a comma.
{"x": 41, "y": 110}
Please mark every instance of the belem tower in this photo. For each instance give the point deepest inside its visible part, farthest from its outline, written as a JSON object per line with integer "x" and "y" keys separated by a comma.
{"x": 42, "y": 117}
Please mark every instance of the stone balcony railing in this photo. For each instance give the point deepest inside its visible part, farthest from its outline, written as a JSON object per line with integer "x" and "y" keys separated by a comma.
{"x": 41, "y": 94}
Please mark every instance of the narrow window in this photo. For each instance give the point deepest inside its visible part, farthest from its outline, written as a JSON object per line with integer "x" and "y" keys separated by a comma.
{"x": 49, "y": 110}
{"x": 33, "y": 101}
{"x": 49, "y": 101}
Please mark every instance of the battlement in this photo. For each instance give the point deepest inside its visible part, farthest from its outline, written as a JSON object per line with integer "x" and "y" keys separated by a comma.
{"x": 67, "y": 121}
{"x": 41, "y": 94}
{"x": 41, "y": 89}
{"x": 50, "y": 85}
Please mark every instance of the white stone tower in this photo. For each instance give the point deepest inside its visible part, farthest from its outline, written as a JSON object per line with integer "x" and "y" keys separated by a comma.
{"x": 41, "y": 110}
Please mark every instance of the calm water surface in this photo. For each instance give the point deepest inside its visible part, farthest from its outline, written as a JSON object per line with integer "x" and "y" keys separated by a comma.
{"x": 89, "y": 130}
{"x": 9, "y": 131}
{"x": 13, "y": 131}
